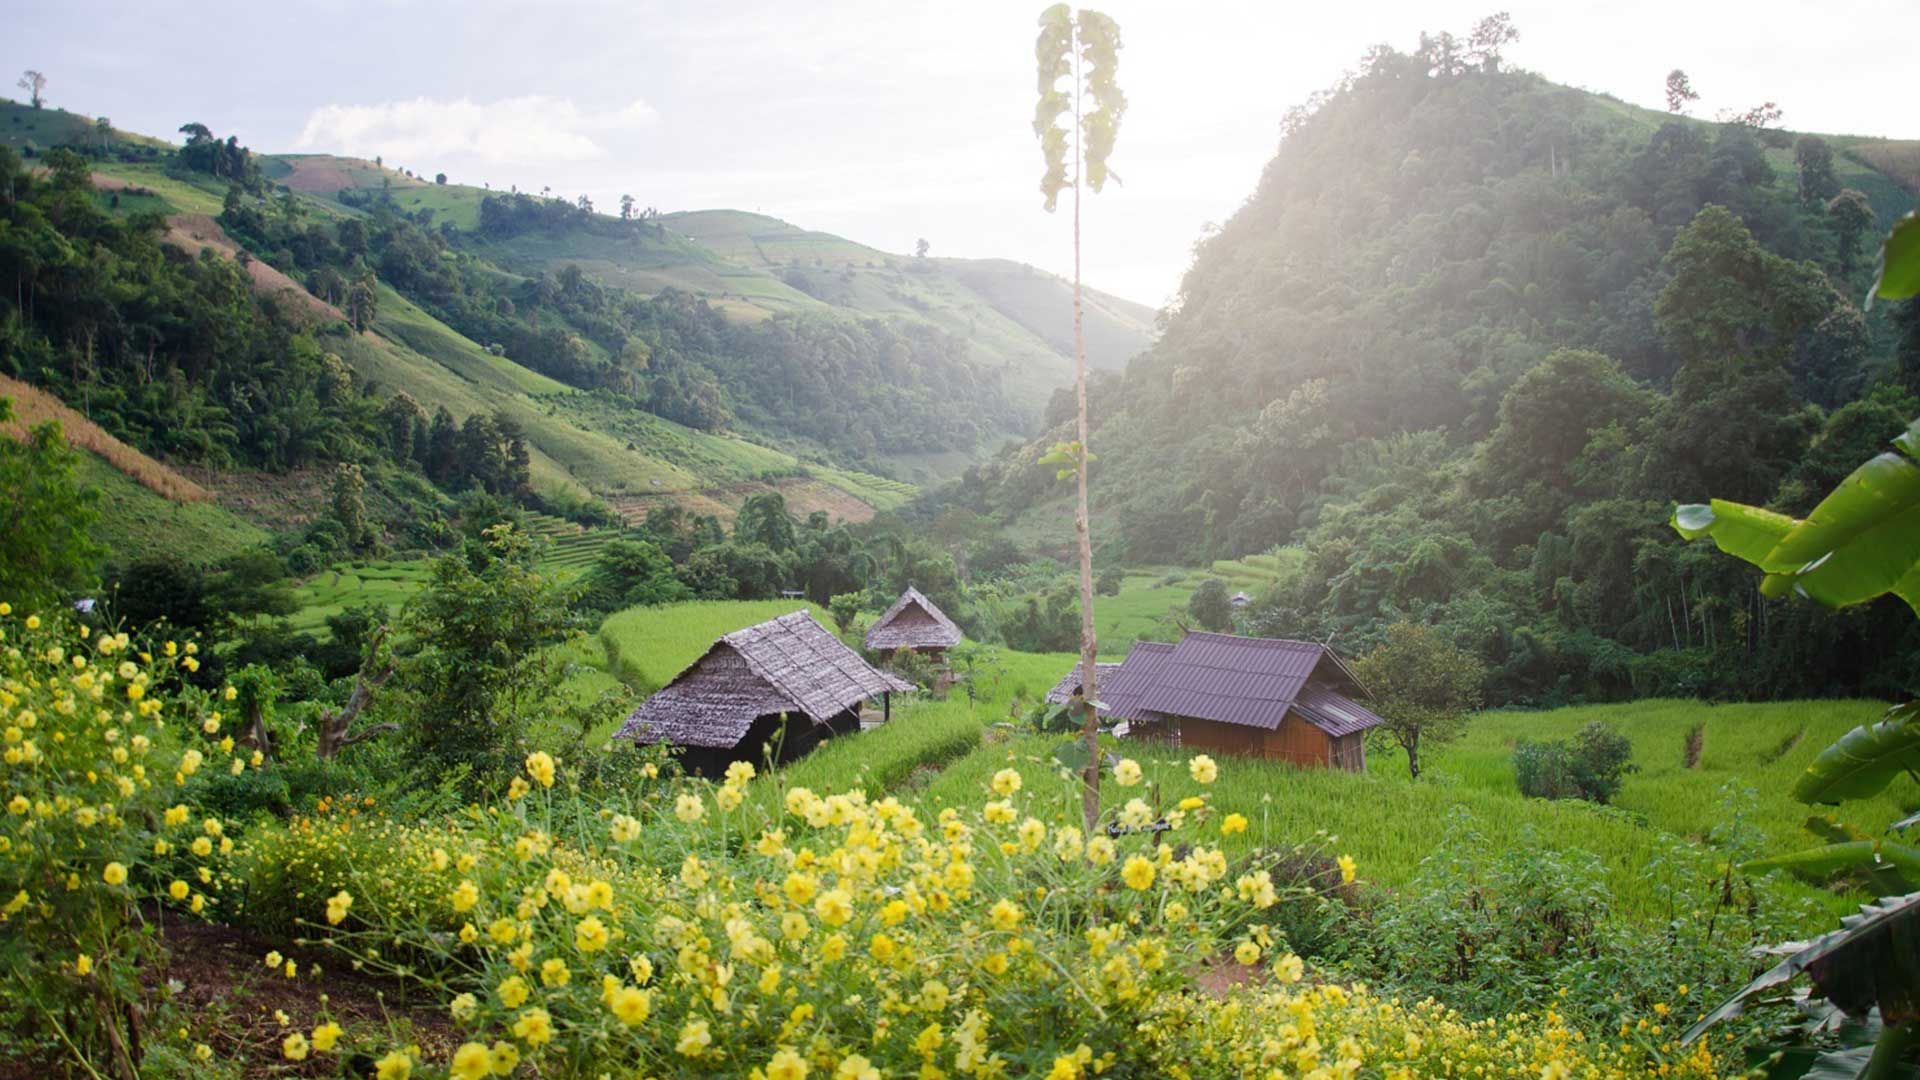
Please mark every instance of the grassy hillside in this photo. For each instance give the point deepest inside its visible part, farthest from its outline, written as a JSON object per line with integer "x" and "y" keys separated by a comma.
{"x": 136, "y": 523}
{"x": 648, "y": 646}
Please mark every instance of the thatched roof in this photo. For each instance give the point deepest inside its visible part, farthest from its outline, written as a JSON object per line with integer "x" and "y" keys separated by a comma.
{"x": 791, "y": 665}
{"x": 1069, "y": 683}
{"x": 913, "y": 622}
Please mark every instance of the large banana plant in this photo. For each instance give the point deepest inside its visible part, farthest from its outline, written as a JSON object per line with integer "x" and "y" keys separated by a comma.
{"x": 1860, "y": 543}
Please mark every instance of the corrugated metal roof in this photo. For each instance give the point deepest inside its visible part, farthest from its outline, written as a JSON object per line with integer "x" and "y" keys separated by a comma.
{"x": 1233, "y": 680}
{"x": 1121, "y": 692}
{"x": 1334, "y": 713}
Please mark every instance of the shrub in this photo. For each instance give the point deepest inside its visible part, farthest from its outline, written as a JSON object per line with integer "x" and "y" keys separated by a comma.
{"x": 1210, "y": 606}
{"x": 1592, "y": 768}
{"x": 713, "y": 929}
{"x": 99, "y": 741}
{"x": 1110, "y": 581}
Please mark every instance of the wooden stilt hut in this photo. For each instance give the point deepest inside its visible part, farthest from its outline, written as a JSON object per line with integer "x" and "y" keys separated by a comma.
{"x": 776, "y": 689}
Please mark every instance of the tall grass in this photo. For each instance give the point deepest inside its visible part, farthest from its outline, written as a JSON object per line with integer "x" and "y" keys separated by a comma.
{"x": 1390, "y": 823}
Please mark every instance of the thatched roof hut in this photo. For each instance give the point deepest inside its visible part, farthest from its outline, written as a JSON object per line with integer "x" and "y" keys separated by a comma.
{"x": 784, "y": 684}
{"x": 1069, "y": 683}
{"x": 913, "y": 622}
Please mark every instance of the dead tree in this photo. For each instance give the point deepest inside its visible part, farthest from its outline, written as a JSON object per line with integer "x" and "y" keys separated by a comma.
{"x": 335, "y": 724}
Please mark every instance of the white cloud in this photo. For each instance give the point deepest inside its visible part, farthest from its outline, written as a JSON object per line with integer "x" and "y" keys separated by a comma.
{"x": 427, "y": 131}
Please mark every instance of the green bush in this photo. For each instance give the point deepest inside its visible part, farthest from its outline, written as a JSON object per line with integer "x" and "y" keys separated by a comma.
{"x": 1593, "y": 767}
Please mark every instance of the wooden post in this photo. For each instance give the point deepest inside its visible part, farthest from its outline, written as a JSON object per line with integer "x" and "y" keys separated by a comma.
{"x": 886, "y": 706}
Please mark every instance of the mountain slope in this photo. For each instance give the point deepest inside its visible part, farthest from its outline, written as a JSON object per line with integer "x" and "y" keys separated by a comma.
{"x": 1468, "y": 342}
{"x": 752, "y": 266}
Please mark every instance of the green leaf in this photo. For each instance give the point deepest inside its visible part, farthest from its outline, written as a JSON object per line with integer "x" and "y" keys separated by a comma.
{"x": 1861, "y": 542}
{"x": 1861, "y": 763}
{"x": 1072, "y": 754}
{"x": 1899, "y": 275}
{"x": 1897, "y": 864}
{"x": 1873, "y": 959}
{"x": 1745, "y": 532}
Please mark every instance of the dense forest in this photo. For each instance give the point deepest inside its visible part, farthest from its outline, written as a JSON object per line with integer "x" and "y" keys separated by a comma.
{"x": 1468, "y": 342}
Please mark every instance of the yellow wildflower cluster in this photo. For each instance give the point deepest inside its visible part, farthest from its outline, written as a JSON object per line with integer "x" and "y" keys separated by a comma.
{"x": 803, "y": 935}
{"x": 97, "y": 735}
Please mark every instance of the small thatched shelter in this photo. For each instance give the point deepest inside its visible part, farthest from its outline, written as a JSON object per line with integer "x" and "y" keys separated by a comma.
{"x": 1069, "y": 684}
{"x": 914, "y": 623}
{"x": 781, "y": 687}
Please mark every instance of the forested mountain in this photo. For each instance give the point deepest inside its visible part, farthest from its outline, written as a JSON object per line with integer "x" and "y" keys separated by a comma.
{"x": 1471, "y": 337}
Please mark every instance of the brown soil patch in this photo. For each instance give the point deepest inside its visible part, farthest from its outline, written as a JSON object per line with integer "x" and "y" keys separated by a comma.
{"x": 275, "y": 501}
{"x": 1696, "y": 741}
{"x": 323, "y": 174}
{"x": 194, "y": 233}
{"x": 32, "y": 406}
{"x": 236, "y": 1001}
{"x": 803, "y": 498}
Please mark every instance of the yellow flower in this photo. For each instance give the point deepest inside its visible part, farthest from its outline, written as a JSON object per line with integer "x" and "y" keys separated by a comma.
{"x": 203, "y": 1052}
{"x": 1347, "y": 870}
{"x": 1006, "y": 782}
{"x": 1006, "y": 914}
{"x": 513, "y": 991}
{"x": 503, "y": 1058}
{"x": 178, "y": 889}
{"x": 1100, "y": 850}
{"x": 786, "y": 1065}
{"x": 83, "y": 965}
{"x": 554, "y": 972}
{"x": 534, "y": 1027}
{"x": 464, "y": 1007}
{"x": 1289, "y": 969}
{"x": 325, "y": 1036}
{"x": 689, "y": 809}
{"x": 470, "y": 1062}
{"x": 799, "y": 887}
{"x": 201, "y": 846}
{"x": 114, "y": 874}
{"x": 590, "y": 935}
{"x": 856, "y": 1067}
{"x": 294, "y": 1047}
{"x": 1247, "y": 952}
{"x": 1233, "y": 823}
{"x": 1554, "y": 1070}
{"x": 694, "y": 1039}
{"x": 625, "y": 829}
{"x": 1138, "y": 873}
{"x": 395, "y": 1066}
{"x": 518, "y": 787}
{"x": 631, "y": 1005}
{"x": 540, "y": 767}
{"x": 1127, "y": 773}
{"x": 835, "y": 907}
{"x": 739, "y": 773}
{"x": 337, "y": 906}
{"x": 1202, "y": 769}
{"x": 465, "y": 896}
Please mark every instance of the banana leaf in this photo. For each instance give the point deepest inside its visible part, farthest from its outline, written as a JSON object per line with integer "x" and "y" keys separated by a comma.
{"x": 1864, "y": 761}
{"x": 1873, "y": 959}
{"x": 1862, "y": 541}
{"x": 1899, "y": 275}
{"x": 1888, "y": 869}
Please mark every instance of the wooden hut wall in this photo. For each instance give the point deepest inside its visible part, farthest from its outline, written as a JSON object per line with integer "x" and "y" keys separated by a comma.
{"x": 1350, "y": 752}
{"x": 1295, "y": 740}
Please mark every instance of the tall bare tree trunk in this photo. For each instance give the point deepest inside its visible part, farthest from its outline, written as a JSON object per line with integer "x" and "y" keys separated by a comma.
{"x": 1090, "y": 726}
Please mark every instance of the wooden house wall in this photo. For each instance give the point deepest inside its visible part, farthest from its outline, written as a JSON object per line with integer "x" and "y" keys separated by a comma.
{"x": 1295, "y": 740}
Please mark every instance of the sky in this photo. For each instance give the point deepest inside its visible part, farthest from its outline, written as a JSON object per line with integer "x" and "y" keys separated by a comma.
{"x": 887, "y": 122}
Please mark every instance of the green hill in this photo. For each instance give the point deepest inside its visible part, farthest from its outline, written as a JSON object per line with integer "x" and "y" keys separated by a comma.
{"x": 1466, "y": 344}
{"x": 1013, "y": 317}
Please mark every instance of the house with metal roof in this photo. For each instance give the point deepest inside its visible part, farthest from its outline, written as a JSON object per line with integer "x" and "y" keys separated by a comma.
{"x": 1270, "y": 697}
{"x": 913, "y": 623}
{"x": 775, "y": 690}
